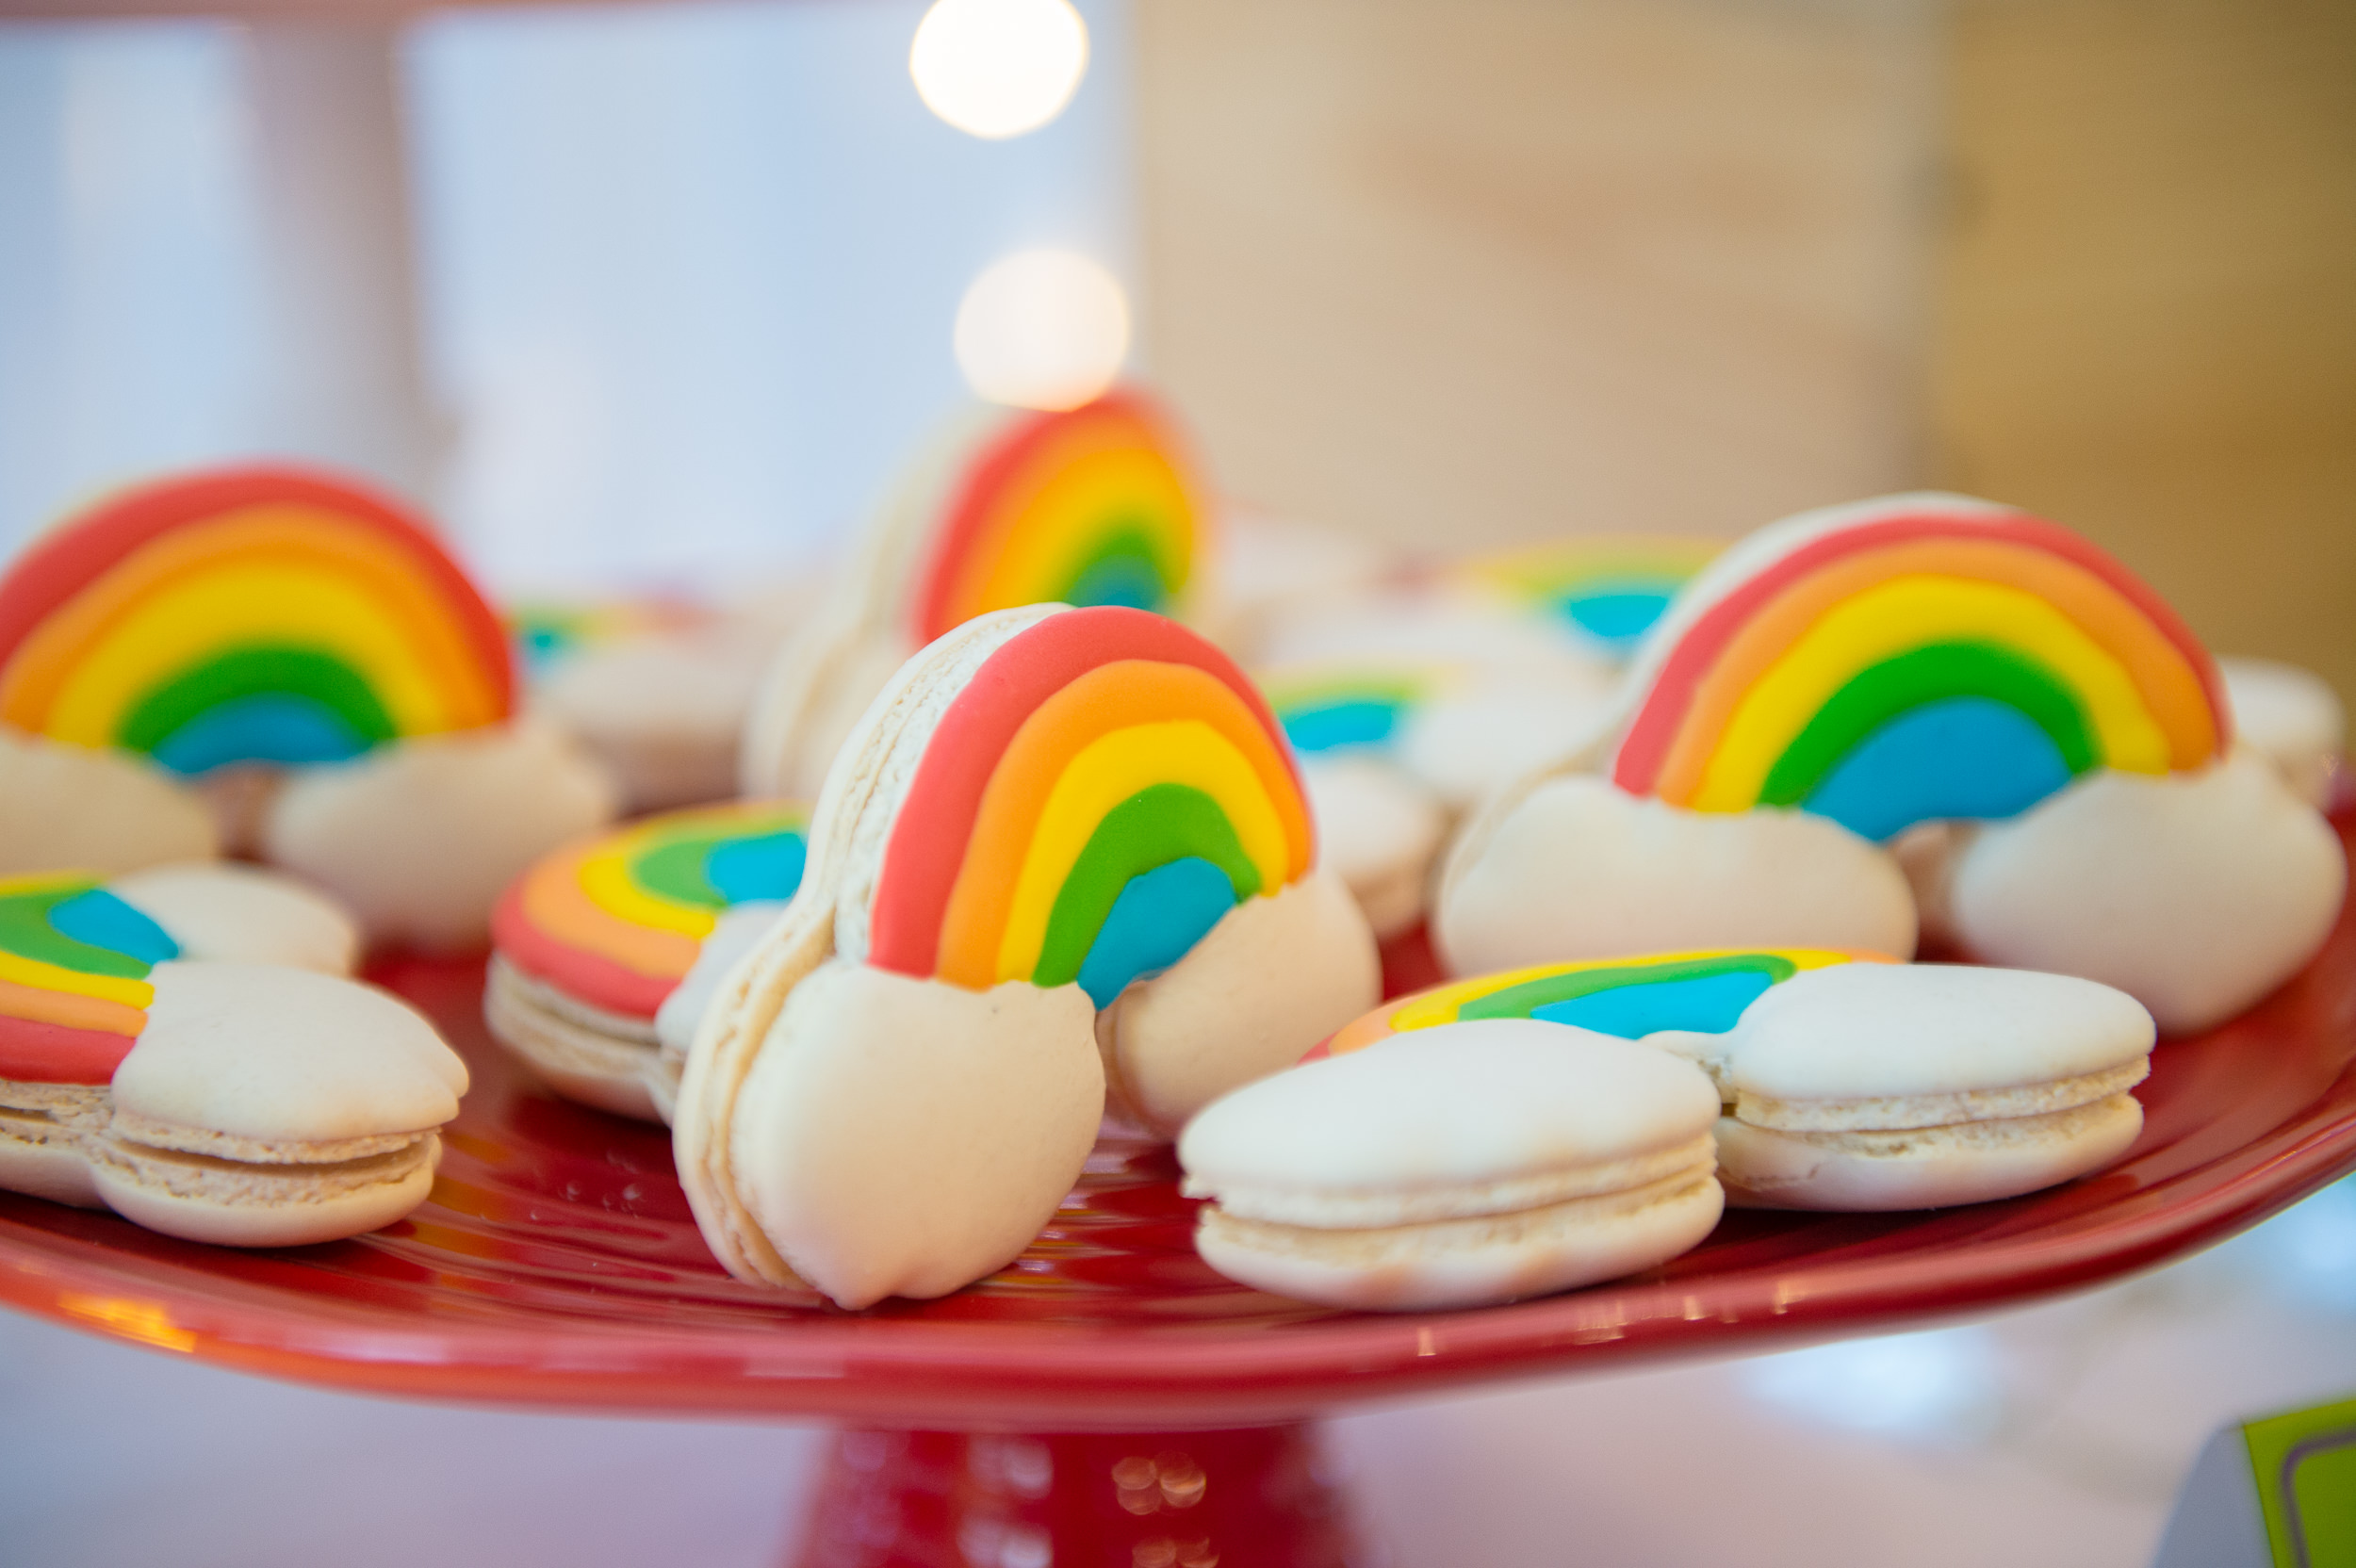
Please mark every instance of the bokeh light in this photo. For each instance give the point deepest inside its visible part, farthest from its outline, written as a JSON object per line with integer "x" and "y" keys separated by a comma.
{"x": 1043, "y": 329}
{"x": 998, "y": 68}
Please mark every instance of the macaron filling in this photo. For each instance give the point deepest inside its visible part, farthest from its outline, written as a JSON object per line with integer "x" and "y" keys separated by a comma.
{"x": 1898, "y": 1113}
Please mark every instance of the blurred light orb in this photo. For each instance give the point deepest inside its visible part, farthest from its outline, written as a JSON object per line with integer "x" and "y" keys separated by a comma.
{"x": 998, "y": 68}
{"x": 1043, "y": 329}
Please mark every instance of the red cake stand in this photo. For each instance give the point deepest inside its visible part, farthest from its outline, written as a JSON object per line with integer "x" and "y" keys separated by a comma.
{"x": 1108, "y": 1399}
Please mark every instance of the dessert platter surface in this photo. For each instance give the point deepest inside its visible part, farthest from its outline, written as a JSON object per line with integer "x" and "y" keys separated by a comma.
{"x": 557, "y": 1264}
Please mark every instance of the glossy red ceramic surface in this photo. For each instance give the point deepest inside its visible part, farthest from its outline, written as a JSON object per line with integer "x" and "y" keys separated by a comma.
{"x": 557, "y": 1264}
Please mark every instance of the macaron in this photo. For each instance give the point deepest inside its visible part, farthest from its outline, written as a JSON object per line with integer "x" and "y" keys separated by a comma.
{"x": 274, "y": 1107}
{"x": 1872, "y": 1087}
{"x": 1063, "y": 859}
{"x": 2289, "y": 715}
{"x": 1102, "y": 504}
{"x": 605, "y": 952}
{"x": 1381, "y": 831}
{"x": 251, "y": 1104}
{"x": 1455, "y": 1167}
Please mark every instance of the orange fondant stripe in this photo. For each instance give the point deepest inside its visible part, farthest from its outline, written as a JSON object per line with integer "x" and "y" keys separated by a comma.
{"x": 1082, "y": 434}
{"x": 554, "y": 900}
{"x": 2172, "y": 688}
{"x": 69, "y": 1009}
{"x": 290, "y": 532}
{"x": 1111, "y": 696}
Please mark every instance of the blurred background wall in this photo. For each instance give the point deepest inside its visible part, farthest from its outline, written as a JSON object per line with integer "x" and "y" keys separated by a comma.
{"x": 1456, "y": 273}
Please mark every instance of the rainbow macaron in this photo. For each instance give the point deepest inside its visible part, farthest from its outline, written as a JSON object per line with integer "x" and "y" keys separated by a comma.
{"x": 1064, "y": 860}
{"x": 1096, "y": 505}
{"x": 606, "y": 951}
{"x": 161, "y": 1056}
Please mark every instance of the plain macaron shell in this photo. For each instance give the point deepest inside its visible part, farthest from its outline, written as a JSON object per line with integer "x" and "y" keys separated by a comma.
{"x": 256, "y": 1051}
{"x": 2289, "y": 715}
{"x": 1885, "y": 1031}
{"x": 1926, "y": 1168}
{"x": 1378, "y": 830}
{"x": 233, "y": 914}
{"x": 1517, "y": 1157}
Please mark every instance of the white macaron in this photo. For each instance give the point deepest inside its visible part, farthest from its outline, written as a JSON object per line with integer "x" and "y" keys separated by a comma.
{"x": 1457, "y": 1166}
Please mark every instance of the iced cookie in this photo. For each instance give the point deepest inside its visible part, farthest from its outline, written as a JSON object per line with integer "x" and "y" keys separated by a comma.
{"x": 1850, "y": 1081}
{"x": 1095, "y": 505}
{"x": 251, "y": 1104}
{"x": 2290, "y": 716}
{"x": 1064, "y": 852}
{"x": 1846, "y": 676}
{"x": 238, "y": 627}
{"x": 605, "y": 952}
{"x": 1467, "y": 1163}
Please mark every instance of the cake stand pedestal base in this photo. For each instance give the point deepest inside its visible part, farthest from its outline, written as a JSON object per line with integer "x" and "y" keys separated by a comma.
{"x": 1252, "y": 1498}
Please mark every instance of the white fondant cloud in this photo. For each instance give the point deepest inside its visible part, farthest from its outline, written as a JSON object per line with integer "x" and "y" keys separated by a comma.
{"x": 1273, "y": 977}
{"x": 69, "y": 806}
{"x": 242, "y": 914}
{"x": 1578, "y": 868}
{"x": 2196, "y": 893}
{"x": 419, "y": 838}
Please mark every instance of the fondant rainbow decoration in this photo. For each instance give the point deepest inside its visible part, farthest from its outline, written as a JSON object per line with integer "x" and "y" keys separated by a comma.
{"x": 247, "y": 615}
{"x": 544, "y": 633}
{"x": 1347, "y": 709}
{"x": 616, "y": 919}
{"x": 1611, "y": 590}
{"x": 73, "y": 966}
{"x": 1103, "y": 790}
{"x": 1702, "y": 992}
{"x": 1094, "y": 505}
{"x": 1917, "y": 662}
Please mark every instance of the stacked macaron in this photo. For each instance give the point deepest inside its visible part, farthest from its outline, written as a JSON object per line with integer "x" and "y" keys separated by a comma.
{"x": 606, "y": 951}
{"x": 1551, "y": 1126}
{"x": 180, "y": 1046}
{"x": 1063, "y": 865}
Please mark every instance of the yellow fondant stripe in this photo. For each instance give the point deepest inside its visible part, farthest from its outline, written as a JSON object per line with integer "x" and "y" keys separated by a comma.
{"x": 1048, "y": 533}
{"x": 1108, "y": 771}
{"x": 1442, "y": 1006}
{"x": 605, "y": 877}
{"x": 1896, "y": 617}
{"x": 50, "y": 977}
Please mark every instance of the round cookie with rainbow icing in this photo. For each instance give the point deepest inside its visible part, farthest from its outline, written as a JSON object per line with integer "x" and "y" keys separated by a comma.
{"x": 272, "y": 636}
{"x": 1605, "y": 591}
{"x": 606, "y": 951}
{"x": 162, "y": 1054}
{"x": 1850, "y": 677}
{"x": 1849, "y": 1082}
{"x": 1094, "y": 505}
{"x": 1065, "y": 854}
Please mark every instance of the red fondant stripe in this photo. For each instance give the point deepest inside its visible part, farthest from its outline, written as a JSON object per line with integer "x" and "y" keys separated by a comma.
{"x": 936, "y": 819}
{"x": 584, "y": 976}
{"x": 59, "y": 566}
{"x": 971, "y": 503}
{"x": 34, "y": 1052}
{"x": 1653, "y": 730}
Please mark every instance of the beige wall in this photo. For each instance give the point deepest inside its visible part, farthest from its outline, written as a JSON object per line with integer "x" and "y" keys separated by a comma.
{"x": 1468, "y": 271}
{"x": 2146, "y": 317}
{"x": 1462, "y": 272}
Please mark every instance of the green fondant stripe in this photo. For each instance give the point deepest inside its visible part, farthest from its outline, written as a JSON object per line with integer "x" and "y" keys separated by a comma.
{"x": 1152, "y": 827}
{"x": 1526, "y": 998}
{"x": 256, "y": 671}
{"x": 25, "y": 931}
{"x": 674, "y": 868}
{"x": 1136, "y": 539}
{"x": 1939, "y": 670}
